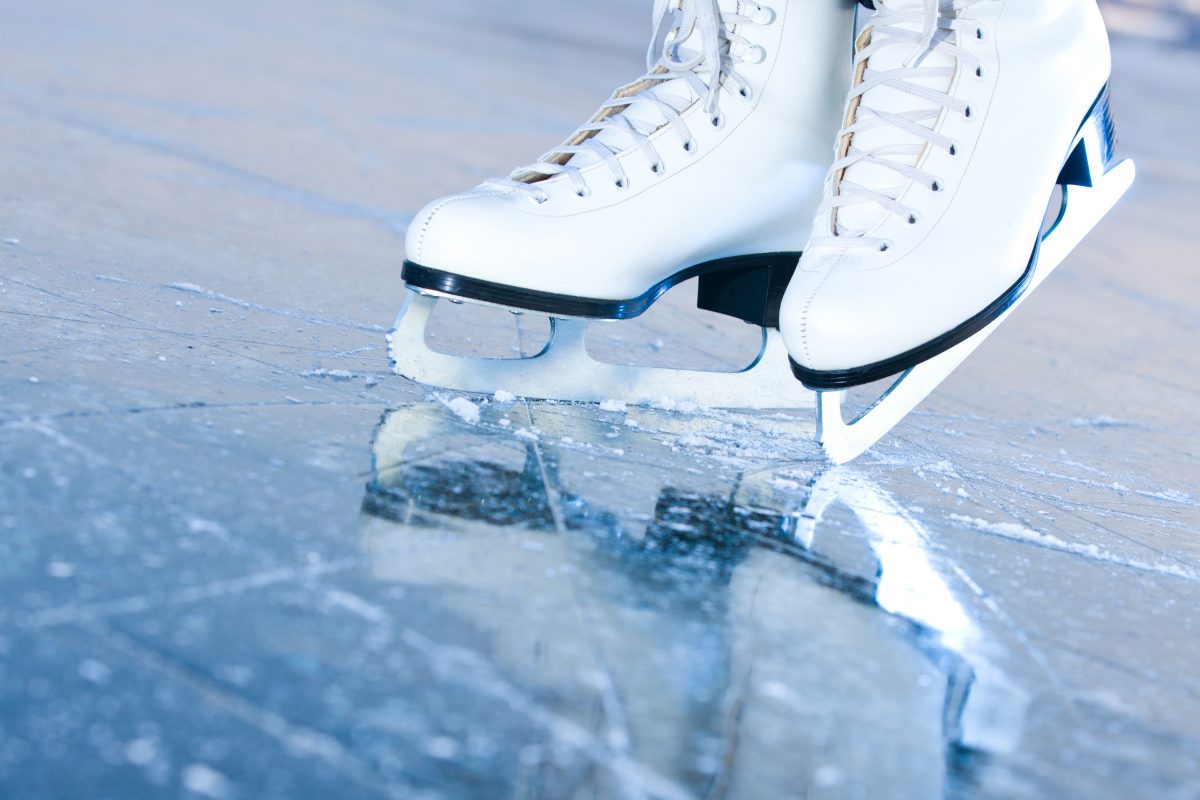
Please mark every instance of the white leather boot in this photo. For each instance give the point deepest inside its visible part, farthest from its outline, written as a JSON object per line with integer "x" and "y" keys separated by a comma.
{"x": 961, "y": 121}
{"x": 710, "y": 164}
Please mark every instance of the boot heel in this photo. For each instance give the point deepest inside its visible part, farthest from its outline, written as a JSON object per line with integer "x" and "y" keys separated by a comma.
{"x": 748, "y": 288}
{"x": 1095, "y": 147}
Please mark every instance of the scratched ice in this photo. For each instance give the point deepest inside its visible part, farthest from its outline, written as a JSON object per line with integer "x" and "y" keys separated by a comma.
{"x": 239, "y": 558}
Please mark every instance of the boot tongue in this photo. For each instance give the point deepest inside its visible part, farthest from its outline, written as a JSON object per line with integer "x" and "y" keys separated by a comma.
{"x": 887, "y": 98}
{"x": 645, "y": 116}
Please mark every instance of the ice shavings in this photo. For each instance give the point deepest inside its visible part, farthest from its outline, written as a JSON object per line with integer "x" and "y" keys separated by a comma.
{"x": 1020, "y": 533}
{"x": 334, "y": 374}
{"x": 463, "y": 408}
{"x": 1100, "y": 422}
{"x": 205, "y": 781}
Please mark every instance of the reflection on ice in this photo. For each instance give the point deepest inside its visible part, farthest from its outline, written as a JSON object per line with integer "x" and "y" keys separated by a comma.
{"x": 908, "y": 584}
{"x": 751, "y": 632}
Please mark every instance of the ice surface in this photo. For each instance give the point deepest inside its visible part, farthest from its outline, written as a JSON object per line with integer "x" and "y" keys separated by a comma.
{"x": 265, "y": 567}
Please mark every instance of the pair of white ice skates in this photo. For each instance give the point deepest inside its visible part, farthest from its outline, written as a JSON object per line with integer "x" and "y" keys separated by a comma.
{"x": 955, "y": 125}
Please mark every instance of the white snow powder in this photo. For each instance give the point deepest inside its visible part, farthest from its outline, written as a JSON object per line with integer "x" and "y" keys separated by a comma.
{"x": 60, "y": 569}
{"x": 618, "y": 406}
{"x": 94, "y": 671}
{"x": 502, "y": 396}
{"x": 206, "y": 782}
{"x": 1100, "y": 422}
{"x": 335, "y": 374}
{"x": 1012, "y": 530}
{"x": 467, "y": 411}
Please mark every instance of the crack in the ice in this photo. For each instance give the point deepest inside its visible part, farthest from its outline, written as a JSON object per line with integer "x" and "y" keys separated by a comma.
{"x": 473, "y": 670}
{"x": 194, "y": 405}
{"x": 465, "y": 666}
{"x": 191, "y": 335}
{"x": 137, "y": 604}
{"x": 301, "y": 741}
{"x": 208, "y": 294}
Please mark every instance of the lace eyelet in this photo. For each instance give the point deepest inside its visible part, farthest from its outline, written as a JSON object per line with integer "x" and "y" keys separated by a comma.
{"x": 746, "y": 92}
{"x": 718, "y": 121}
{"x": 979, "y": 72}
{"x": 584, "y": 192}
{"x": 969, "y": 112}
{"x": 936, "y": 186}
{"x": 953, "y": 149}
{"x": 689, "y": 146}
{"x": 755, "y": 54}
{"x": 657, "y": 169}
{"x": 885, "y": 246}
{"x": 621, "y": 183}
{"x": 540, "y": 197}
{"x": 914, "y": 218}
{"x": 764, "y": 16}
{"x": 979, "y": 33}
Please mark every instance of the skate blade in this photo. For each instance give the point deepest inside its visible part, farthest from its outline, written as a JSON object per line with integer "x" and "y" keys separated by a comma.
{"x": 1082, "y": 209}
{"x": 564, "y": 370}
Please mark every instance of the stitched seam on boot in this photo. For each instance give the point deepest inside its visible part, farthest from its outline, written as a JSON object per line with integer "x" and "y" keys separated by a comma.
{"x": 804, "y": 315}
{"x": 433, "y": 212}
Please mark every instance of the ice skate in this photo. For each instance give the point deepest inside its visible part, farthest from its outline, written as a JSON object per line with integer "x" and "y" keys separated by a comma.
{"x": 965, "y": 124}
{"x": 709, "y": 166}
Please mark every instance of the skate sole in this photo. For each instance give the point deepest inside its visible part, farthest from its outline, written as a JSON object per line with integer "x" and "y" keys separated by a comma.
{"x": 858, "y": 376}
{"x": 1075, "y": 172}
{"x": 747, "y": 287}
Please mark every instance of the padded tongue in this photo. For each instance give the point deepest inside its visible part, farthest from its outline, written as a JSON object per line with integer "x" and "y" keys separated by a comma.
{"x": 886, "y": 98}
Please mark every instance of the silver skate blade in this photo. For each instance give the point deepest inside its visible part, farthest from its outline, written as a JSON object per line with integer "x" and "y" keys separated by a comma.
{"x": 1082, "y": 210}
{"x": 564, "y": 370}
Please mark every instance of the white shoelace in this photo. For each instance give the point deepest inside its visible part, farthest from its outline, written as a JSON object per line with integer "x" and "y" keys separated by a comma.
{"x": 892, "y": 27}
{"x": 706, "y": 71}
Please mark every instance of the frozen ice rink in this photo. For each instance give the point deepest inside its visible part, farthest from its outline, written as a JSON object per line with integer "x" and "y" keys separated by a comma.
{"x": 242, "y": 560}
